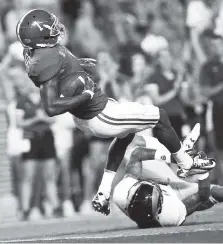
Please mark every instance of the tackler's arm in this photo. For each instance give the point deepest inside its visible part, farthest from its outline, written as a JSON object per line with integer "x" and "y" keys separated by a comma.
{"x": 194, "y": 201}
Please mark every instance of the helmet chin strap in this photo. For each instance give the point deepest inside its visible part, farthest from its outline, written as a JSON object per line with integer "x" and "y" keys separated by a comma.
{"x": 46, "y": 45}
{"x": 42, "y": 45}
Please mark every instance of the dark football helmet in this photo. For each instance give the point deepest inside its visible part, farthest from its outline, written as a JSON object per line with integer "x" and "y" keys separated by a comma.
{"x": 146, "y": 203}
{"x": 39, "y": 28}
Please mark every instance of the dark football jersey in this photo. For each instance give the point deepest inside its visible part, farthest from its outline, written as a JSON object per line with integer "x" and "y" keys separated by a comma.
{"x": 45, "y": 63}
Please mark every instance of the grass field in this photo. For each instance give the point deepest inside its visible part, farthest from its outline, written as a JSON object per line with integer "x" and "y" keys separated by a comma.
{"x": 201, "y": 227}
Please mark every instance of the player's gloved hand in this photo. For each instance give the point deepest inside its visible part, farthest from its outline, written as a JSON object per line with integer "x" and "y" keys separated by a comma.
{"x": 87, "y": 62}
{"x": 89, "y": 86}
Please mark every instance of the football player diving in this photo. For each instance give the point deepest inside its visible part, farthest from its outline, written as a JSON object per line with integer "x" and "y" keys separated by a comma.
{"x": 152, "y": 195}
{"x": 66, "y": 85}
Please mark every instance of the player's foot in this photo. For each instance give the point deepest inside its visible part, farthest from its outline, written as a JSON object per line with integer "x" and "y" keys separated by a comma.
{"x": 101, "y": 204}
{"x": 201, "y": 164}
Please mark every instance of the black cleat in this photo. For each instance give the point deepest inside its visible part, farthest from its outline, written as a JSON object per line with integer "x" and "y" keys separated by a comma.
{"x": 101, "y": 204}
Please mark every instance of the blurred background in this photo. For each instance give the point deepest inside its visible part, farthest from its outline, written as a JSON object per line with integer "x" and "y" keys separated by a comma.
{"x": 167, "y": 53}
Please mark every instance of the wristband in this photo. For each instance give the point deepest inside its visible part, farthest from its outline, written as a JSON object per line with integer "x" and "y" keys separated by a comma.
{"x": 89, "y": 92}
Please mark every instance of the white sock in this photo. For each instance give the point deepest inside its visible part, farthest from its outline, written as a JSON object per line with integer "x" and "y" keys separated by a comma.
{"x": 203, "y": 176}
{"x": 183, "y": 159}
{"x": 106, "y": 182}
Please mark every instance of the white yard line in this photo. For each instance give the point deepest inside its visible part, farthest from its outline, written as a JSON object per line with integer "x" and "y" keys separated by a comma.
{"x": 127, "y": 233}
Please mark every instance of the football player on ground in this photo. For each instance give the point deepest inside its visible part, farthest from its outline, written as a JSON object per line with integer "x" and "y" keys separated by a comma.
{"x": 65, "y": 86}
{"x": 152, "y": 195}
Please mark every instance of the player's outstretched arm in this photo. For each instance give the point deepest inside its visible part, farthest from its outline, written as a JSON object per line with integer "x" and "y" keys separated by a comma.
{"x": 54, "y": 104}
{"x": 194, "y": 201}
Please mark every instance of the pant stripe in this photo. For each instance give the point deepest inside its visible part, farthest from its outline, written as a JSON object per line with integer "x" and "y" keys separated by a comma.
{"x": 128, "y": 119}
{"x": 114, "y": 122}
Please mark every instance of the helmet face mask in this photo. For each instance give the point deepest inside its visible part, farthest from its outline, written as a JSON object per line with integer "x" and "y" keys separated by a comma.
{"x": 38, "y": 29}
{"x": 57, "y": 29}
{"x": 27, "y": 59}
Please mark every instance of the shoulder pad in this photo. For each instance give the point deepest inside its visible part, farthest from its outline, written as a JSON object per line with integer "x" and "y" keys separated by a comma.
{"x": 44, "y": 65}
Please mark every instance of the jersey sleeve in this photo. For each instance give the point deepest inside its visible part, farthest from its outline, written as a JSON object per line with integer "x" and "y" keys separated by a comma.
{"x": 45, "y": 66}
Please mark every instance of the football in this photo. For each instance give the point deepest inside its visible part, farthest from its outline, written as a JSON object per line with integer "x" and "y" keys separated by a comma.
{"x": 72, "y": 87}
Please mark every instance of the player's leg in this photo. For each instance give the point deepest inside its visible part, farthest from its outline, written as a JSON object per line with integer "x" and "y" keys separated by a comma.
{"x": 35, "y": 212}
{"x": 166, "y": 135}
{"x": 192, "y": 194}
{"x": 28, "y": 169}
{"x": 49, "y": 177}
{"x": 47, "y": 156}
{"x": 153, "y": 150}
{"x": 144, "y": 165}
{"x": 79, "y": 178}
{"x": 93, "y": 170}
{"x": 64, "y": 160}
{"x": 63, "y": 140}
{"x": 115, "y": 156}
{"x": 122, "y": 119}
{"x": 118, "y": 120}
{"x": 26, "y": 186}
